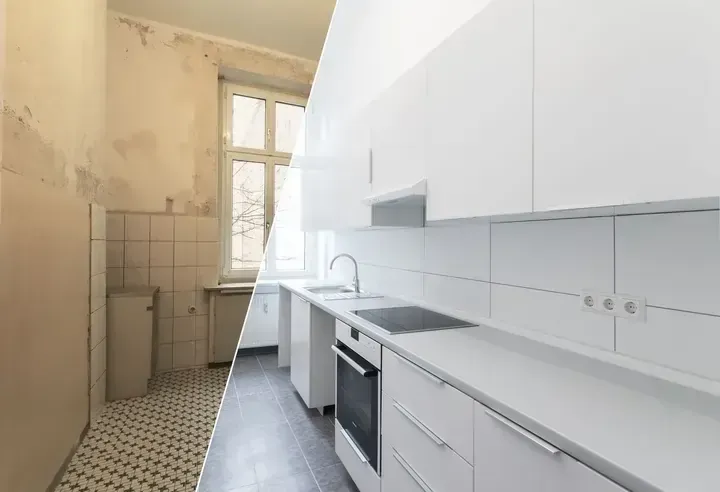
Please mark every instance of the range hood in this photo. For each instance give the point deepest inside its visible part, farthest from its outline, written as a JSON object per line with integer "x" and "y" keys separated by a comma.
{"x": 402, "y": 207}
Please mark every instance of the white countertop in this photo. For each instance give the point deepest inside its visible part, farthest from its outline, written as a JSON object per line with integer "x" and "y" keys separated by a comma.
{"x": 644, "y": 432}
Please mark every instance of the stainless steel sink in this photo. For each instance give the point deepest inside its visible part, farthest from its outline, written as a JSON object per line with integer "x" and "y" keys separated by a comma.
{"x": 338, "y": 293}
{"x": 329, "y": 290}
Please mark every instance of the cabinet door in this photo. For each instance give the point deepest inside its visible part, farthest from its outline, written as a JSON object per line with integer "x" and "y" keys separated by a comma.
{"x": 480, "y": 115}
{"x": 509, "y": 458}
{"x": 627, "y": 102}
{"x": 351, "y": 158}
{"x": 261, "y": 326}
{"x": 398, "y": 132}
{"x": 300, "y": 346}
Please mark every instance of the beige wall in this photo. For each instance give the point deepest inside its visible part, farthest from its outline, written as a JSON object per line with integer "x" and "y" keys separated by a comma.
{"x": 163, "y": 112}
{"x": 53, "y": 122}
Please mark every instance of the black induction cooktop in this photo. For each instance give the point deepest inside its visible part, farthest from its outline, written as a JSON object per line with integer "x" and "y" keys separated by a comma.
{"x": 409, "y": 319}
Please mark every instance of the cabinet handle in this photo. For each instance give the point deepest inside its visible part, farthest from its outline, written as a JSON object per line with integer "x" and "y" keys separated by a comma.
{"x": 418, "y": 424}
{"x": 526, "y": 434}
{"x": 364, "y": 372}
{"x": 354, "y": 447}
{"x": 370, "y": 165}
{"x": 413, "y": 474}
{"x": 422, "y": 371}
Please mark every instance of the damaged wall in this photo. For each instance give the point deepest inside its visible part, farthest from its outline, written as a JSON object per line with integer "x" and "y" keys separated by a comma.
{"x": 52, "y": 156}
{"x": 162, "y": 108}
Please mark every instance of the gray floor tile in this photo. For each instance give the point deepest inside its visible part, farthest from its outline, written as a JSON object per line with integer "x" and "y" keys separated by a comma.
{"x": 303, "y": 482}
{"x": 261, "y": 411}
{"x": 320, "y": 453}
{"x": 248, "y": 363}
{"x": 280, "y": 382}
{"x": 348, "y": 486}
{"x": 314, "y": 428}
{"x": 295, "y": 409}
{"x": 273, "y": 465}
{"x": 331, "y": 475}
{"x": 268, "y": 361}
{"x": 224, "y": 473}
{"x": 250, "y": 384}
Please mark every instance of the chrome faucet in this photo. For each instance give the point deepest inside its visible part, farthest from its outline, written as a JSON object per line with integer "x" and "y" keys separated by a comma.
{"x": 355, "y": 281}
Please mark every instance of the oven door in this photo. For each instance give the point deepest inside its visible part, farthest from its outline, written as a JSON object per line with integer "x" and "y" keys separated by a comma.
{"x": 357, "y": 402}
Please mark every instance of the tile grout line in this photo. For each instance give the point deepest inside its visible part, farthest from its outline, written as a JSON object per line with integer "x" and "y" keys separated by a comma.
{"x": 277, "y": 402}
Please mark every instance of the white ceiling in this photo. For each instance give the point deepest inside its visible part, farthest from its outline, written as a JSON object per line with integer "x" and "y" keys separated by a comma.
{"x": 297, "y": 27}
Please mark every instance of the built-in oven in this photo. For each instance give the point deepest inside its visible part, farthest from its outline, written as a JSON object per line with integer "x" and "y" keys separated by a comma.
{"x": 358, "y": 397}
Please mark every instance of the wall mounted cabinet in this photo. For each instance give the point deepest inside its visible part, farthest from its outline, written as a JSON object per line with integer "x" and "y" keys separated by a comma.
{"x": 627, "y": 102}
{"x": 480, "y": 115}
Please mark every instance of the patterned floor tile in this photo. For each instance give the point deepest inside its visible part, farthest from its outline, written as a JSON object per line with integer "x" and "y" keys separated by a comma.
{"x": 156, "y": 443}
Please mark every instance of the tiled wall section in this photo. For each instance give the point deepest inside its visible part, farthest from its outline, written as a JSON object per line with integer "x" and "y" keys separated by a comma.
{"x": 98, "y": 341}
{"x": 530, "y": 273}
{"x": 179, "y": 254}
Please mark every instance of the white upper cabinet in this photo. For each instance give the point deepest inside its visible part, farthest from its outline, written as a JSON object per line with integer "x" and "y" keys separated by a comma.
{"x": 479, "y": 158}
{"x": 398, "y": 132}
{"x": 627, "y": 101}
{"x": 352, "y": 158}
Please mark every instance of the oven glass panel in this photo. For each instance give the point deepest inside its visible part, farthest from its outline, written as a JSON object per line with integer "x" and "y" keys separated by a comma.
{"x": 358, "y": 405}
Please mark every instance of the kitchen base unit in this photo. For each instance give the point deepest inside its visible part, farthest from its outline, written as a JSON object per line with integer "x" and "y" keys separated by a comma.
{"x": 312, "y": 362}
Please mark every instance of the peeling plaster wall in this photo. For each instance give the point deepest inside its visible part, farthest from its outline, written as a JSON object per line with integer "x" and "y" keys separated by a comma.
{"x": 162, "y": 108}
{"x": 52, "y": 120}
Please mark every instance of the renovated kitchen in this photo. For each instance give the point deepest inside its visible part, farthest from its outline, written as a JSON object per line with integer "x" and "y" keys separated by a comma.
{"x": 514, "y": 211}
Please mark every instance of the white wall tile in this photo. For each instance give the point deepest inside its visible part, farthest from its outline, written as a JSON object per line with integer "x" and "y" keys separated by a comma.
{"x": 98, "y": 222}
{"x": 207, "y": 276}
{"x": 207, "y": 229}
{"x": 98, "y": 256}
{"x": 461, "y": 250}
{"x": 137, "y": 254}
{"x": 185, "y": 254}
{"x": 165, "y": 330}
{"x": 165, "y": 306}
{"x": 162, "y": 228}
{"x": 162, "y": 254}
{"x": 684, "y": 341}
{"x": 558, "y": 255}
{"x": 115, "y": 254}
{"x": 115, "y": 227}
{"x": 201, "y": 352}
{"x": 114, "y": 277}
{"x": 201, "y": 327}
{"x": 137, "y": 227}
{"x": 165, "y": 357}
{"x": 98, "y": 291}
{"x": 136, "y": 277}
{"x": 397, "y": 248}
{"x": 98, "y": 396}
{"x": 183, "y": 354}
{"x": 98, "y": 326}
{"x": 673, "y": 260}
{"x": 470, "y": 297}
{"x": 185, "y": 228}
{"x": 185, "y": 278}
{"x": 202, "y": 301}
{"x": 183, "y": 329}
{"x": 162, "y": 277}
{"x": 98, "y": 358}
{"x": 182, "y": 301}
{"x": 208, "y": 254}
{"x": 391, "y": 282}
{"x": 555, "y": 314}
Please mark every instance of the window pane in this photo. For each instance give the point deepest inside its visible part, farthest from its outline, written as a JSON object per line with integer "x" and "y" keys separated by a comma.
{"x": 248, "y": 218}
{"x": 288, "y": 121}
{"x": 248, "y": 122}
{"x": 289, "y": 239}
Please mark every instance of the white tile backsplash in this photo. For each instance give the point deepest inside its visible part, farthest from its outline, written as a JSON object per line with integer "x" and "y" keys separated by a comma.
{"x": 673, "y": 260}
{"x": 458, "y": 250}
{"x": 529, "y": 273}
{"x": 685, "y": 341}
{"x": 469, "y": 297}
{"x": 137, "y": 227}
{"x": 558, "y": 255}
{"x": 162, "y": 228}
{"x": 552, "y": 313}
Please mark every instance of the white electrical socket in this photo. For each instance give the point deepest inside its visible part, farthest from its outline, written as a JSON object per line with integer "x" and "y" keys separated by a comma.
{"x": 618, "y": 305}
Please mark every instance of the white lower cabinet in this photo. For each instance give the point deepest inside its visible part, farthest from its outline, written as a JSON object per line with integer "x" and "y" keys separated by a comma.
{"x": 416, "y": 458}
{"x": 356, "y": 465}
{"x": 508, "y": 458}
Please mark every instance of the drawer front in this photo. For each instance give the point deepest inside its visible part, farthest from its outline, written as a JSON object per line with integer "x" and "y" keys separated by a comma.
{"x": 360, "y": 471}
{"x": 364, "y": 346}
{"x": 509, "y": 458}
{"x": 420, "y": 454}
{"x": 395, "y": 476}
{"x": 447, "y": 412}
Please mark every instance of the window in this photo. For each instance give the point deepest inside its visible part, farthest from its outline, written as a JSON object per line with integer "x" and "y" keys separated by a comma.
{"x": 258, "y": 187}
